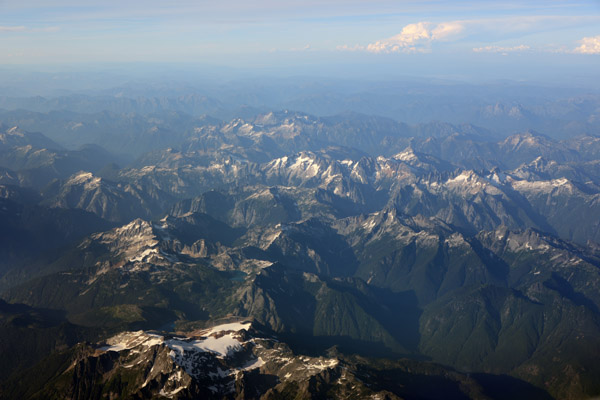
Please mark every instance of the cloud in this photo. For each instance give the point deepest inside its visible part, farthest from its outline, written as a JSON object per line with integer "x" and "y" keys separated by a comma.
{"x": 12, "y": 28}
{"x": 356, "y": 47}
{"x": 26, "y": 29}
{"x": 501, "y": 49}
{"x": 416, "y": 37}
{"x": 447, "y": 30}
{"x": 589, "y": 45}
{"x": 420, "y": 37}
{"x": 303, "y": 48}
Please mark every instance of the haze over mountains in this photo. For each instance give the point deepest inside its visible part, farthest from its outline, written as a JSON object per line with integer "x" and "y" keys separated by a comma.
{"x": 503, "y": 107}
{"x": 415, "y": 240}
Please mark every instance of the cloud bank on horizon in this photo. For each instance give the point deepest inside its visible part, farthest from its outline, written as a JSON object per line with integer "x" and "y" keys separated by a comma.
{"x": 270, "y": 33}
{"x": 420, "y": 36}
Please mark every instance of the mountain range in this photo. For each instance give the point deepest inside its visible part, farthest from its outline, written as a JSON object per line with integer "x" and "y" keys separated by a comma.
{"x": 285, "y": 254}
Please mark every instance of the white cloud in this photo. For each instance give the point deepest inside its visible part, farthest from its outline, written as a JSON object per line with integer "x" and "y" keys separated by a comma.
{"x": 447, "y": 30}
{"x": 12, "y": 28}
{"x": 303, "y": 48}
{"x": 356, "y": 47}
{"x": 21, "y": 28}
{"x": 420, "y": 37}
{"x": 501, "y": 49}
{"x": 416, "y": 37}
{"x": 589, "y": 45}
{"x": 406, "y": 41}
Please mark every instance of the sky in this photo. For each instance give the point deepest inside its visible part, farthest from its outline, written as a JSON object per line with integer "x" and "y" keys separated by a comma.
{"x": 446, "y": 39}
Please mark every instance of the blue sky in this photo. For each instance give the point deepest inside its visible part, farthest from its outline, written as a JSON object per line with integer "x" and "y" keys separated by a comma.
{"x": 268, "y": 33}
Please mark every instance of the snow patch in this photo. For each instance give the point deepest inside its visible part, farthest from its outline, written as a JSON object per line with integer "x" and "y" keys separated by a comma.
{"x": 259, "y": 362}
{"x": 234, "y": 326}
{"x": 144, "y": 254}
{"x": 129, "y": 340}
{"x": 171, "y": 393}
{"x": 543, "y": 186}
{"x": 406, "y": 155}
{"x": 223, "y": 346}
